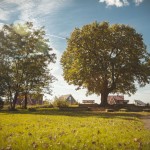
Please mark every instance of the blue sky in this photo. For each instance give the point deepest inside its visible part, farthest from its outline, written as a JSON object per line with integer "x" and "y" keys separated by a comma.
{"x": 60, "y": 17}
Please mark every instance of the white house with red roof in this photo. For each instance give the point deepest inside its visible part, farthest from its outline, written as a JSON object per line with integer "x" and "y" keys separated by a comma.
{"x": 116, "y": 99}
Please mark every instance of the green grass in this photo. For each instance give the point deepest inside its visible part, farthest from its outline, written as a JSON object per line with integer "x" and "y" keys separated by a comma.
{"x": 55, "y": 130}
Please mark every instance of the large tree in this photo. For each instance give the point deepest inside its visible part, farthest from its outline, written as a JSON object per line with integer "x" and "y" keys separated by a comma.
{"x": 105, "y": 59}
{"x": 25, "y": 56}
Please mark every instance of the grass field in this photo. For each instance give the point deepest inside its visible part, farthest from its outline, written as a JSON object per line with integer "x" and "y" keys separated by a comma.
{"x": 56, "y": 130}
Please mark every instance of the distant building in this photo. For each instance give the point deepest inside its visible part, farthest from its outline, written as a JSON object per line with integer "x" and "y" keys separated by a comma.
{"x": 139, "y": 103}
{"x": 33, "y": 99}
{"x": 116, "y": 99}
{"x": 69, "y": 98}
{"x": 88, "y": 101}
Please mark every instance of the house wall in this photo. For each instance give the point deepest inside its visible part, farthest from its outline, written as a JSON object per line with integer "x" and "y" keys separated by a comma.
{"x": 139, "y": 104}
{"x": 33, "y": 99}
{"x": 71, "y": 100}
{"x": 115, "y": 99}
{"x": 88, "y": 101}
{"x": 111, "y": 101}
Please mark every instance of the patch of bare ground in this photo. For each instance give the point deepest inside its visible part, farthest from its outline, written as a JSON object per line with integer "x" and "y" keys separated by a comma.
{"x": 146, "y": 120}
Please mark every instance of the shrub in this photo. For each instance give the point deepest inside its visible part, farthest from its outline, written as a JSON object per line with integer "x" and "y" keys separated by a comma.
{"x": 123, "y": 110}
{"x": 45, "y": 106}
{"x": 59, "y": 102}
{"x": 62, "y": 103}
{"x": 31, "y": 109}
{"x": 1, "y": 103}
{"x": 11, "y": 109}
{"x": 146, "y": 110}
{"x": 109, "y": 110}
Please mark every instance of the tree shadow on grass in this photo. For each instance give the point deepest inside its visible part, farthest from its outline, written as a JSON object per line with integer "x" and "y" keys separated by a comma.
{"x": 57, "y": 112}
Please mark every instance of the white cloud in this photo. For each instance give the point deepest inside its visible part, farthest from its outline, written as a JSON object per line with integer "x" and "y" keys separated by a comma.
{"x": 119, "y": 3}
{"x": 138, "y": 2}
{"x": 31, "y": 10}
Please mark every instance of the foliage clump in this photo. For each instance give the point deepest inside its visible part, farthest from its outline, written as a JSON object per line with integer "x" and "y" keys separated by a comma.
{"x": 32, "y": 109}
{"x": 60, "y": 102}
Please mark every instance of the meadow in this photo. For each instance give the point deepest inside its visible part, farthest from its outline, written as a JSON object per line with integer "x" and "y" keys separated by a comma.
{"x": 52, "y": 129}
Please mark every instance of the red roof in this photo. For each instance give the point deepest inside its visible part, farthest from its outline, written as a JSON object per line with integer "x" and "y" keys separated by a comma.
{"x": 116, "y": 97}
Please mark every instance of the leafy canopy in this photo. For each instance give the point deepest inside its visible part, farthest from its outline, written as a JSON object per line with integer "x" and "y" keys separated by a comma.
{"x": 25, "y": 58}
{"x": 106, "y": 58}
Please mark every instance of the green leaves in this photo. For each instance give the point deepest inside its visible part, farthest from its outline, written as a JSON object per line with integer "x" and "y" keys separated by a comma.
{"x": 25, "y": 56}
{"x": 101, "y": 52}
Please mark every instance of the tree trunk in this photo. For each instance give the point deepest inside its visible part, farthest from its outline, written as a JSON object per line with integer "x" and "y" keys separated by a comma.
{"x": 15, "y": 100}
{"x": 104, "y": 93}
{"x": 10, "y": 102}
{"x": 9, "y": 96}
{"x": 104, "y": 96}
{"x": 25, "y": 100}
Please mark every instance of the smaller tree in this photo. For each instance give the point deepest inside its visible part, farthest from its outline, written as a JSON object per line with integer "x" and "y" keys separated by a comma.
{"x": 25, "y": 57}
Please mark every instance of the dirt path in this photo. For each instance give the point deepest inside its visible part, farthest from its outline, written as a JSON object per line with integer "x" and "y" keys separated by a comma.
{"x": 146, "y": 120}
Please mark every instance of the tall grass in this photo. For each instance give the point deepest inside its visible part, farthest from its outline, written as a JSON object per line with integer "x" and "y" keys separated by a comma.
{"x": 55, "y": 130}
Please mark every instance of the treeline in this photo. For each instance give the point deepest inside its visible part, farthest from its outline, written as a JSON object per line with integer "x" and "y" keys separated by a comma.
{"x": 99, "y": 57}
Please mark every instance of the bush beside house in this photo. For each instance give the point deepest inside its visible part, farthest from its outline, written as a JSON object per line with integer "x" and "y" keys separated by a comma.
{"x": 60, "y": 102}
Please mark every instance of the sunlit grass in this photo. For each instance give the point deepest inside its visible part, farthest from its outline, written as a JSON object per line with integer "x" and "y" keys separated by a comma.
{"x": 52, "y": 129}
